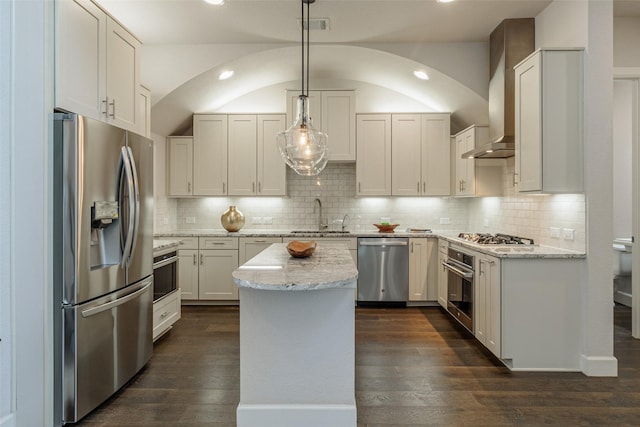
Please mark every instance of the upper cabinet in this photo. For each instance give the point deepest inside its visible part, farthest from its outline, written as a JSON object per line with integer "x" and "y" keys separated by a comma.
{"x": 373, "y": 167}
{"x": 210, "y": 154}
{"x": 334, "y": 113}
{"x": 234, "y": 155}
{"x": 548, "y": 122}
{"x": 97, "y": 65}
{"x": 420, "y": 155}
{"x": 473, "y": 177}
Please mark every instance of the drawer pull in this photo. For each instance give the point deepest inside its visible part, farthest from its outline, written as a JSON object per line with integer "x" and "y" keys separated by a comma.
{"x": 165, "y": 314}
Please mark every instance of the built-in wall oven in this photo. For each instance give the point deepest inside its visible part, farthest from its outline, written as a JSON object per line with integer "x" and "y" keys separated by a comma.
{"x": 165, "y": 272}
{"x": 460, "y": 272}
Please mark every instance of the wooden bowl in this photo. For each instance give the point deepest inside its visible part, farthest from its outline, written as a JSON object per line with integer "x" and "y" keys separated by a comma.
{"x": 386, "y": 228}
{"x": 299, "y": 249}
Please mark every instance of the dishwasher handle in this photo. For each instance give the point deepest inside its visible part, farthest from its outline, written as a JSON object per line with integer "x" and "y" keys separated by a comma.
{"x": 383, "y": 244}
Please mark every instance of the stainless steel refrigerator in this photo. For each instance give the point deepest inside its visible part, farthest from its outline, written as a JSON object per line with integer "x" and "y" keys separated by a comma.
{"x": 103, "y": 242}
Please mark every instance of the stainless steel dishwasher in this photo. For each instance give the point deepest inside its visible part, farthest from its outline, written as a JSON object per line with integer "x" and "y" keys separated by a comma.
{"x": 383, "y": 270}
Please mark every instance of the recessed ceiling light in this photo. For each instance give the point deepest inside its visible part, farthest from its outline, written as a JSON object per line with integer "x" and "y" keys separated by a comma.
{"x": 225, "y": 75}
{"x": 421, "y": 75}
{"x": 215, "y": 2}
{"x": 445, "y": 1}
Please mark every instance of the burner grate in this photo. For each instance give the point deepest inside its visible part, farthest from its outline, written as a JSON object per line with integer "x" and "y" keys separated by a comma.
{"x": 495, "y": 239}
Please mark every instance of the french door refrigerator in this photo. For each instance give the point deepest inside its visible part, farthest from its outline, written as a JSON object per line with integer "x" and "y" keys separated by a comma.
{"x": 103, "y": 242}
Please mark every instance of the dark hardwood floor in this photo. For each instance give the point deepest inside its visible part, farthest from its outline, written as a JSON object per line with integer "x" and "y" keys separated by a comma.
{"x": 414, "y": 367}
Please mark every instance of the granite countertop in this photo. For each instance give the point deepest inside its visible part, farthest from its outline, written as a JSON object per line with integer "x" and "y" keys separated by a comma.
{"x": 499, "y": 251}
{"x": 517, "y": 251}
{"x": 330, "y": 266}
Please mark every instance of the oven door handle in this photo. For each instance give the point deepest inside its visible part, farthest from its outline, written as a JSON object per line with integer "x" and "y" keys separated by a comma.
{"x": 459, "y": 272}
{"x": 165, "y": 262}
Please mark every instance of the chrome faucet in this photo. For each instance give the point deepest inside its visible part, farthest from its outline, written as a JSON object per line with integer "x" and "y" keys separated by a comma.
{"x": 345, "y": 221}
{"x": 321, "y": 225}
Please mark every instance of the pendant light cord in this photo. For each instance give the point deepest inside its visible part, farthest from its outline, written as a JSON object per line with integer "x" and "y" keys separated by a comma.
{"x": 302, "y": 43}
{"x": 308, "y": 49}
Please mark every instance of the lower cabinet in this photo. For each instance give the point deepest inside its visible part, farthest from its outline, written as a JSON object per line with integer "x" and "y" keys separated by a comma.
{"x": 205, "y": 268}
{"x": 252, "y": 246}
{"x": 487, "y": 303}
{"x": 423, "y": 271}
{"x": 166, "y": 312}
{"x": 443, "y": 247}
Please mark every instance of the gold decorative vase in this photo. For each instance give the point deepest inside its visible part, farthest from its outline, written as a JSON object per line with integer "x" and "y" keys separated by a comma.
{"x": 232, "y": 219}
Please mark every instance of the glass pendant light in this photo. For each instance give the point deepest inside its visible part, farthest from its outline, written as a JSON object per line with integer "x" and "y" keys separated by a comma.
{"x": 301, "y": 146}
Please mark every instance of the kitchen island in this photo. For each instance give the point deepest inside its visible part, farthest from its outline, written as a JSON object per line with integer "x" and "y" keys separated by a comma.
{"x": 297, "y": 338}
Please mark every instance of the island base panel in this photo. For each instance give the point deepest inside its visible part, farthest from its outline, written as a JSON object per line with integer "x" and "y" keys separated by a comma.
{"x": 297, "y": 358}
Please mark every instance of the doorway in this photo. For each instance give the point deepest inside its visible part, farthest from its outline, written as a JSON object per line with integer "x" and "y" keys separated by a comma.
{"x": 626, "y": 196}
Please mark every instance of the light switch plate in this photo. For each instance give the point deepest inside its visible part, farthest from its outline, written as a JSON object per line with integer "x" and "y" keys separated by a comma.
{"x": 268, "y": 220}
{"x": 256, "y": 220}
{"x": 554, "y": 232}
{"x": 567, "y": 233}
{"x": 444, "y": 221}
{"x": 191, "y": 220}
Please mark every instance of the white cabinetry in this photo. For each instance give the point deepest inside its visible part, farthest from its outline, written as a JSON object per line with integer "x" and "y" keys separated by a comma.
{"x": 180, "y": 166}
{"x": 252, "y": 246}
{"x": 242, "y": 151}
{"x": 423, "y": 271}
{"x": 420, "y": 155}
{"x": 271, "y": 169}
{"x": 487, "y": 303}
{"x": 233, "y": 155}
{"x": 97, "y": 65}
{"x": 144, "y": 111}
{"x": 334, "y": 113}
{"x": 205, "y": 268}
{"x": 443, "y": 247}
{"x": 475, "y": 177}
{"x": 373, "y": 166}
{"x": 549, "y": 122}
{"x": 209, "y": 154}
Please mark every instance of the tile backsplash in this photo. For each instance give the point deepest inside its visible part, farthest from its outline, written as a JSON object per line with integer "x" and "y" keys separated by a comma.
{"x": 335, "y": 187}
{"x": 531, "y": 216}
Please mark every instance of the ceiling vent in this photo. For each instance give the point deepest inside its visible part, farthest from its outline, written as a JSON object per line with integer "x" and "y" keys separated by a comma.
{"x": 321, "y": 24}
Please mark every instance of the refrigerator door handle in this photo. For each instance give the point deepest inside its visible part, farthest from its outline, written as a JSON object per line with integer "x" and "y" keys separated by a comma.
{"x": 135, "y": 205}
{"x": 127, "y": 174}
{"x": 111, "y": 304}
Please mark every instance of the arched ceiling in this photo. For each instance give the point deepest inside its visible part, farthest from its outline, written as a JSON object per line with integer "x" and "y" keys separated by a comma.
{"x": 328, "y": 63}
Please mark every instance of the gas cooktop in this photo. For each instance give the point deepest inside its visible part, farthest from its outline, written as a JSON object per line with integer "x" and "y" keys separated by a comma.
{"x": 495, "y": 239}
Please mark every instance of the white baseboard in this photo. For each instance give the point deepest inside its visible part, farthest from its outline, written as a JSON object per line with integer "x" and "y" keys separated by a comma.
{"x": 599, "y": 366}
{"x": 296, "y": 415}
{"x": 7, "y": 421}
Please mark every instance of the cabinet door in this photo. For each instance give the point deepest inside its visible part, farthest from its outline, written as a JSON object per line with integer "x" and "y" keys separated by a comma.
{"x": 373, "y": 165}
{"x": 80, "y": 58}
{"x": 250, "y": 247}
{"x": 436, "y": 155}
{"x": 179, "y": 166}
{"x": 209, "y": 154}
{"x": 272, "y": 170}
{"x": 417, "y": 270}
{"x": 527, "y": 124}
{"x": 465, "y": 168}
{"x": 242, "y": 151}
{"x": 215, "y": 281}
{"x": 143, "y": 116}
{"x": 123, "y": 71}
{"x": 188, "y": 274}
{"x": 339, "y": 123}
{"x": 405, "y": 154}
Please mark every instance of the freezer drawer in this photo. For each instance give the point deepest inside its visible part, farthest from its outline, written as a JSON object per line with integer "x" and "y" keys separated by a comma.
{"x": 105, "y": 343}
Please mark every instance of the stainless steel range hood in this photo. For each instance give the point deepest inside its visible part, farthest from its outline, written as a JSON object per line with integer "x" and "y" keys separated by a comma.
{"x": 509, "y": 43}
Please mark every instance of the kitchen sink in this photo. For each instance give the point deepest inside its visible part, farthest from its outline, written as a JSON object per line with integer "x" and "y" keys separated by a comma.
{"x": 319, "y": 232}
